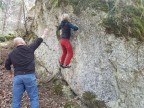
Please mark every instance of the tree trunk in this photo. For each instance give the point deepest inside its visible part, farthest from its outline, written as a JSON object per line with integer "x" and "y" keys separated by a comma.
{"x": 20, "y": 15}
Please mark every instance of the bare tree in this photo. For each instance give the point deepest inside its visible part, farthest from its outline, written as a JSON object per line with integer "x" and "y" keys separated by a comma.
{"x": 20, "y": 15}
{"x": 24, "y": 16}
{"x": 6, "y": 10}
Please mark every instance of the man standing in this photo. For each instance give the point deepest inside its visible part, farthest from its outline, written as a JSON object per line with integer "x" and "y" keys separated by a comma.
{"x": 22, "y": 59}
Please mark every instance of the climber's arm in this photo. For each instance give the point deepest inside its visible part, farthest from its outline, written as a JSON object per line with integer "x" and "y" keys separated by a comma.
{"x": 74, "y": 27}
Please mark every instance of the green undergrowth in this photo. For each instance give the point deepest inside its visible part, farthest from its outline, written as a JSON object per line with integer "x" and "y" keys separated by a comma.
{"x": 126, "y": 20}
{"x": 58, "y": 84}
{"x": 90, "y": 100}
{"x": 80, "y": 5}
{"x": 8, "y": 37}
{"x": 61, "y": 87}
{"x": 71, "y": 104}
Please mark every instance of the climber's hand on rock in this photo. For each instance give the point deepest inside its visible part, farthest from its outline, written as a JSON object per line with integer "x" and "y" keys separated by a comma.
{"x": 76, "y": 33}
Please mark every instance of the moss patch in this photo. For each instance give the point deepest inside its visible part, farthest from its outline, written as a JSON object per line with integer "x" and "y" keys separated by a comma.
{"x": 8, "y": 37}
{"x": 126, "y": 20}
{"x": 71, "y": 104}
{"x": 89, "y": 99}
{"x": 81, "y": 5}
{"x": 58, "y": 86}
{"x": 61, "y": 87}
{"x": 2, "y": 39}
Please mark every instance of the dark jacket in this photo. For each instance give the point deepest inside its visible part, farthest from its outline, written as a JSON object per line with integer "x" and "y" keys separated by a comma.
{"x": 66, "y": 27}
{"x": 22, "y": 58}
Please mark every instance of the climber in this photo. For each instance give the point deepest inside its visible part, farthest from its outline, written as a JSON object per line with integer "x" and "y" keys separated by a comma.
{"x": 22, "y": 59}
{"x": 67, "y": 51}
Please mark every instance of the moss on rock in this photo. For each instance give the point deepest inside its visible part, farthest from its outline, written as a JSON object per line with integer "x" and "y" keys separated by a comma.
{"x": 125, "y": 20}
{"x": 58, "y": 86}
{"x": 61, "y": 87}
{"x": 2, "y": 39}
{"x": 71, "y": 104}
{"x": 89, "y": 99}
{"x": 8, "y": 37}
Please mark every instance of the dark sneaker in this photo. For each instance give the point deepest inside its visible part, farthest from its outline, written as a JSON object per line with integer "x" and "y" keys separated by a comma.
{"x": 66, "y": 66}
{"x": 61, "y": 65}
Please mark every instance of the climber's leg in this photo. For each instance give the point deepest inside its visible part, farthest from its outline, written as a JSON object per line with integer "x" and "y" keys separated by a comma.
{"x": 69, "y": 53}
{"x": 64, "y": 51}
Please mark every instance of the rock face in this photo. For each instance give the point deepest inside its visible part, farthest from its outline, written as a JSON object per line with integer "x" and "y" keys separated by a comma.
{"x": 12, "y": 14}
{"x": 110, "y": 67}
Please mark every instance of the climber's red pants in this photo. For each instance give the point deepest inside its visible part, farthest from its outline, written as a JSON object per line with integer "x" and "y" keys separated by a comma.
{"x": 67, "y": 51}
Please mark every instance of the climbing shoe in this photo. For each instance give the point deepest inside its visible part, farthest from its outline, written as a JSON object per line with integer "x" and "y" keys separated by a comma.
{"x": 61, "y": 65}
{"x": 66, "y": 66}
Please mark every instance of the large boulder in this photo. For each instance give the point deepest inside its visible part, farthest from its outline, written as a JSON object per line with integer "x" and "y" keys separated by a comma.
{"x": 110, "y": 67}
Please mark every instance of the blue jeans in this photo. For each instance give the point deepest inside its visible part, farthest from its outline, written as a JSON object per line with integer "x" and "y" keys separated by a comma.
{"x": 22, "y": 83}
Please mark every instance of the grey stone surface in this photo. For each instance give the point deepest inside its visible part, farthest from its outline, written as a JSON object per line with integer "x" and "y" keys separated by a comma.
{"x": 110, "y": 67}
{"x": 12, "y": 15}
